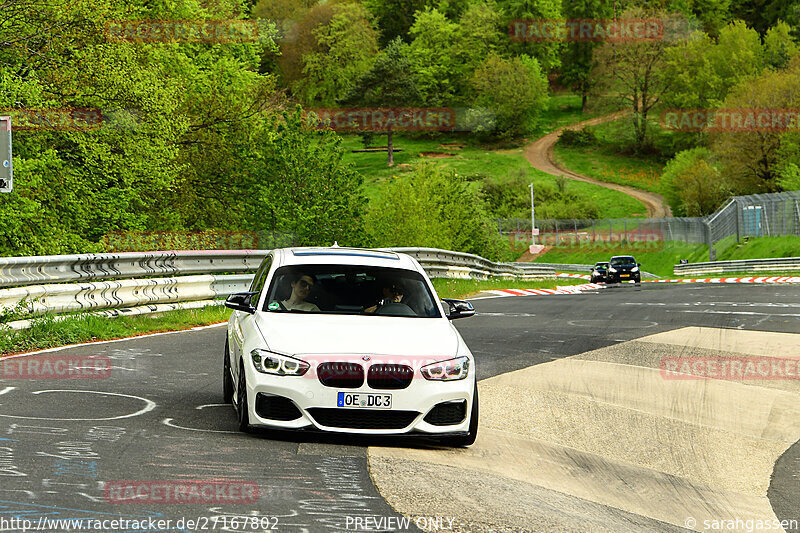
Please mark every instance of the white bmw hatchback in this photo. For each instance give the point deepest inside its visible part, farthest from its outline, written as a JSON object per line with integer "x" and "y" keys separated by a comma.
{"x": 350, "y": 341}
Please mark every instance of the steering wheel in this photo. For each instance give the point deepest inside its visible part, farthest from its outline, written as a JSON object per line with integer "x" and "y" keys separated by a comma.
{"x": 395, "y": 309}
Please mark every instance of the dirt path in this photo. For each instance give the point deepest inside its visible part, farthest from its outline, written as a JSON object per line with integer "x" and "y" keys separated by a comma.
{"x": 540, "y": 154}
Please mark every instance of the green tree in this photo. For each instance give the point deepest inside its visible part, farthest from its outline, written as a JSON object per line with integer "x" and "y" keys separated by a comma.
{"x": 779, "y": 46}
{"x": 480, "y": 34}
{"x": 434, "y": 57}
{"x": 302, "y": 192}
{"x": 753, "y": 157}
{"x": 547, "y": 53}
{"x": 389, "y": 83}
{"x": 427, "y": 208}
{"x": 578, "y": 57}
{"x": 693, "y": 184}
{"x": 633, "y": 74}
{"x": 514, "y": 90}
{"x": 395, "y": 17}
{"x": 347, "y": 46}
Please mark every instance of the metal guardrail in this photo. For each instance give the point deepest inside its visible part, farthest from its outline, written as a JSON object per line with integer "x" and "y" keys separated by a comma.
{"x": 120, "y": 284}
{"x": 19, "y": 271}
{"x": 446, "y": 264}
{"x": 745, "y": 265}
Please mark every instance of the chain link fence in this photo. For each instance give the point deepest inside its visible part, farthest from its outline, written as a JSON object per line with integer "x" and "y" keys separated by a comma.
{"x": 757, "y": 215}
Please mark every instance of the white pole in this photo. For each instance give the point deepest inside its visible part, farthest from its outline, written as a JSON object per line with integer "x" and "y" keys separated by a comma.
{"x": 533, "y": 217}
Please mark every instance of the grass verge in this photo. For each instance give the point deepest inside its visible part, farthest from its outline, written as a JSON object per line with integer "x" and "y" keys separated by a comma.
{"x": 607, "y": 161}
{"x": 46, "y": 332}
{"x": 478, "y": 164}
{"x": 660, "y": 260}
{"x": 465, "y": 288}
{"x": 656, "y": 260}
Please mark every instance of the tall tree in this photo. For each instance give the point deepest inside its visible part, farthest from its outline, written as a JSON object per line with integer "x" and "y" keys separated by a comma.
{"x": 389, "y": 83}
{"x": 434, "y": 57}
{"x": 578, "y": 60}
{"x": 547, "y": 53}
{"x": 633, "y": 74}
{"x": 514, "y": 90}
{"x": 346, "y": 47}
{"x": 752, "y": 154}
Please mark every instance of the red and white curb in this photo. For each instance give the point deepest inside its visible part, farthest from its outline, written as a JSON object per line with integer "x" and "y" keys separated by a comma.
{"x": 579, "y": 276}
{"x": 784, "y": 279}
{"x": 571, "y": 289}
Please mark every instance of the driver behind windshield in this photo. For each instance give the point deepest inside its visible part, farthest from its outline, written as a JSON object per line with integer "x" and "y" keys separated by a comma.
{"x": 301, "y": 288}
{"x": 393, "y": 292}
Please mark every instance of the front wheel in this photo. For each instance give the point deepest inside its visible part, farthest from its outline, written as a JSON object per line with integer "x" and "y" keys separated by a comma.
{"x": 227, "y": 380}
{"x": 468, "y": 439}
{"x": 242, "y": 412}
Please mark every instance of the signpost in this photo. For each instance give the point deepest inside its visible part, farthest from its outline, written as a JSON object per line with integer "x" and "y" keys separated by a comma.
{"x": 6, "y": 162}
{"x": 534, "y": 249}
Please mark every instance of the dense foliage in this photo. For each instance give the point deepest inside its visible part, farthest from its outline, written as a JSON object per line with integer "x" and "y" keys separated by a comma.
{"x": 211, "y": 134}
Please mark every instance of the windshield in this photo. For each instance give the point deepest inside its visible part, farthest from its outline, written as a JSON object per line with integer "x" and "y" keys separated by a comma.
{"x": 601, "y": 265}
{"x": 350, "y": 290}
{"x": 623, "y": 261}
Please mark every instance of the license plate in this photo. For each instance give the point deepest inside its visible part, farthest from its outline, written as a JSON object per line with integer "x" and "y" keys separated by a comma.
{"x": 624, "y": 275}
{"x": 365, "y": 400}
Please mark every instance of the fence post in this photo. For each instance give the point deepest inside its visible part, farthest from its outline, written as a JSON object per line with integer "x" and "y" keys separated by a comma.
{"x": 556, "y": 232}
{"x": 626, "y": 230}
{"x": 738, "y": 235}
{"x": 712, "y": 256}
{"x": 594, "y": 236}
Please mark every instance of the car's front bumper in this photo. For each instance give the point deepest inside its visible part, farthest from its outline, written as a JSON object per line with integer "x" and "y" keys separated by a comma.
{"x": 624, "y": 276}
{"x": 317, "y": 405}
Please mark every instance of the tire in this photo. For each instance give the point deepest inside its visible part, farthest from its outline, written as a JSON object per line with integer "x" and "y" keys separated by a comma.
{"x": 467, "y": 440}
{"x": 227, "y": 380}
{"x": 242, "y": 413}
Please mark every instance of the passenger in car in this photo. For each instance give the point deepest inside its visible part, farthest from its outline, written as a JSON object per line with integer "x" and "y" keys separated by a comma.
{"x": 301, "y": 288}
{"x": 393, "y": 292}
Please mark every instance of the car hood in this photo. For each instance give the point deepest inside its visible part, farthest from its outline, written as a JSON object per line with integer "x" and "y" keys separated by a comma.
{"x": 299, "y": 333}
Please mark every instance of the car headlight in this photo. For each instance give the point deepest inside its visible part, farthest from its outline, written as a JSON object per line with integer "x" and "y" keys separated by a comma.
{"x": 612, "y": 270}
{"x": 280, "y": 365}
{"x": 635, "y": 269}
{"x": 450, "y": 370}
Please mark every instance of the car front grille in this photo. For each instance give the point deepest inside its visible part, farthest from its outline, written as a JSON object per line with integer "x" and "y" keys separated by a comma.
{"x": 341, "y": 375}
{"x": 362, "y": 418}
{"x": 389, "y": 376}
{"x": 276, "y": 407}
{"x": 447, "y": 413}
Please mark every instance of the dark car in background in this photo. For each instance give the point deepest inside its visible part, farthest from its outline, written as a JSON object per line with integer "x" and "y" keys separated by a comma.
{"x": 600, "y": 272}
{"x": 623, "y": 268}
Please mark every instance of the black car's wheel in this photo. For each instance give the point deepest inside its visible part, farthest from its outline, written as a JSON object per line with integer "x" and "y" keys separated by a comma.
{"x": 227, "y": 380}
{"x": 241, "y": 403}
{"x": 468, "y": 439}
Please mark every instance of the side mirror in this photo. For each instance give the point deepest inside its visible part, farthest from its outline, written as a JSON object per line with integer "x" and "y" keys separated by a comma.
{"x": 638, "y": 264}
{"x": 458, "y": 308}
{"x": 241, "y": 301}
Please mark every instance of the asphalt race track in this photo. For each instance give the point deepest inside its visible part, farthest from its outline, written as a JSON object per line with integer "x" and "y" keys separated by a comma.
{"x": 580, "y": 430}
